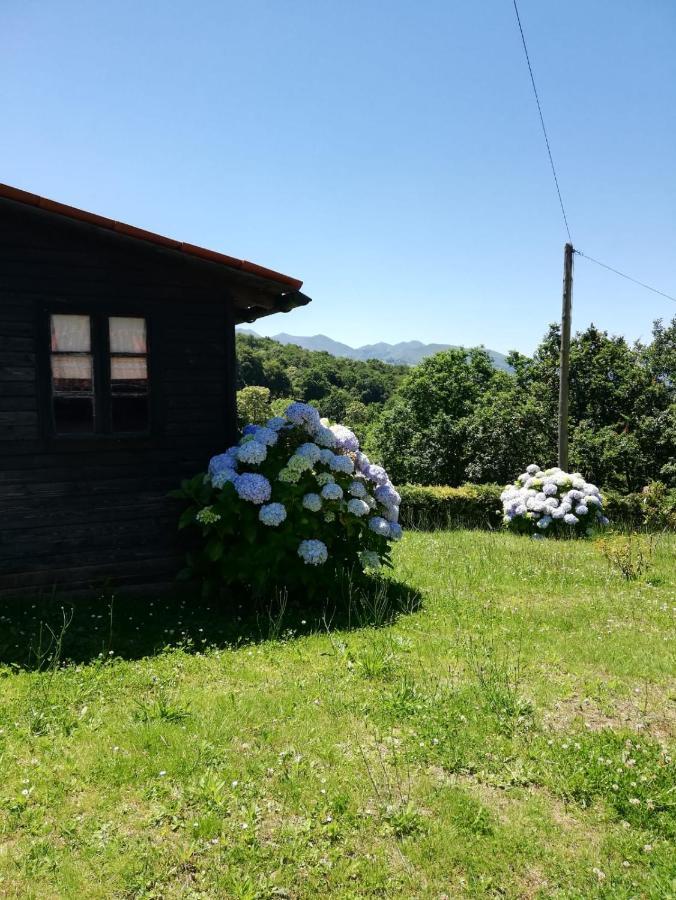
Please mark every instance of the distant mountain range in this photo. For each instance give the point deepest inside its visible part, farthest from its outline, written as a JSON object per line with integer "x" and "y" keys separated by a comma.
{"x": 407, "y": 353}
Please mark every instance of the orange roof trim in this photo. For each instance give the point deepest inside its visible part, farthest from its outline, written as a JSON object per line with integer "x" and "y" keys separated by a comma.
{"x": 11, "y": 193}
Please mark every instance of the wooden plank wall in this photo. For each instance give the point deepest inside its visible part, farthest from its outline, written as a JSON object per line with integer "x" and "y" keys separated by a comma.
{"x": 76, "y": 512}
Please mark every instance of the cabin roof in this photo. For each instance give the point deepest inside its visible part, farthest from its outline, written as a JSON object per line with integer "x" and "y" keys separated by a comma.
{"x": 287, "y": 285}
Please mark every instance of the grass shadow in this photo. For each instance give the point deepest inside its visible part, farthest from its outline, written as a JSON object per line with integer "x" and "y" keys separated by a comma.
{"x": 37, "y": 634}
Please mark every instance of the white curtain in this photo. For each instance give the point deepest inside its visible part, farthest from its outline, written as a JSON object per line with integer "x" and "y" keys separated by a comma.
{"x": 127, "y": 335}
{"x": 71, "y": 333}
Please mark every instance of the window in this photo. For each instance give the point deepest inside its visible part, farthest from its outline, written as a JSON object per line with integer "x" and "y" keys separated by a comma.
{"x": 128, "y": 374}
{"x": 99, "y": 374}
{"x": 72, "y": 375}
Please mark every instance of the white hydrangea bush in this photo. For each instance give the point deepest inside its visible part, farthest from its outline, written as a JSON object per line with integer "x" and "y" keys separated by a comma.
{"x": 552, "y": 502}
{"x": 293, "y": 501}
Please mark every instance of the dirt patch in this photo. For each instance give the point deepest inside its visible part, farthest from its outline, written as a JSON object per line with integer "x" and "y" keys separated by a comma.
{"x": 651, "y": 713}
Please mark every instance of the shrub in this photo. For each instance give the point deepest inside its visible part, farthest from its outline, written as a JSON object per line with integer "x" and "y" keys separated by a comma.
{"x": 469, "y": 506}
{"x": 552, "y": 501}
{"x": 294, "y": 503}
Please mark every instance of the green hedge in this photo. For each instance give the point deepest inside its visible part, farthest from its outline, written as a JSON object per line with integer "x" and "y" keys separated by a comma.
{"x": 479, "y": 506}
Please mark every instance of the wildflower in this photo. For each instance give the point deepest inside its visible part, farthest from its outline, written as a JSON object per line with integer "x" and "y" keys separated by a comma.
{"x": 313, "y": 552}
{"x": 272, "y": 514}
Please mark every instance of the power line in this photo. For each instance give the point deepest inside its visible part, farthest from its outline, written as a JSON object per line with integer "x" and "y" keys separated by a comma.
{"x": 542, "y": 121}
{"x": 622, "y": 275}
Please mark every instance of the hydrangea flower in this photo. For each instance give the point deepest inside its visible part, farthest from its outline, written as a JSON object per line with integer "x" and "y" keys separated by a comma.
{"x": 324, "y": 437}
{"x": 227, "y": 460}
{"x": 272, "y": 514}
{"x": 332, "y": 491}
{"x": 386, "y": 494}
{"x": 380, "y": 526}
{"x": 396, "y": 531}
{"x": 361, "y": 461}
{"x": 208, "y": 516}
{"x": 539, "y": 499}
{"x": 303, "y": 414}
{"x": 392, "y": 514}
{"x": 299, "y": 463}
{"x": 253, "y": 487}
{"x": 345, "y": 439}
{"x": 342, "y": 486}
{"x": 323, "y": 478}
{"x": 342, "y": 464}
{"x": 310, "y": 451}
{"x": 357, "y": 507}
{"x": 313, "y": 502}
{"x": 265, "y": 435}
{"x": 369, "y": 559}
{"x": 357, "y": 489}
{"x": 376, "y": 474}
{"x": 313, "y": 552}
{"x": 276, "y": 423}
{"x": 289, "y": 476}
{"x": 252, "y": 453}
{"x": 223, "y": 477}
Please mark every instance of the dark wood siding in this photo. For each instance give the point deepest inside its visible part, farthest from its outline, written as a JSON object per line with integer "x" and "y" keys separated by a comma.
{"x": 76, "y": 511}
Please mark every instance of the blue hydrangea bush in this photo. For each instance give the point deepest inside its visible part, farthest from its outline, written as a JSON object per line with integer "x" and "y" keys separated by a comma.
{"x": 552, "y": 502}
{"x": 292, "y": 504}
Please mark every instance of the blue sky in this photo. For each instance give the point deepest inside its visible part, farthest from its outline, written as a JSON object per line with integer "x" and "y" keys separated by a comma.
{"x": 388, "y": 153}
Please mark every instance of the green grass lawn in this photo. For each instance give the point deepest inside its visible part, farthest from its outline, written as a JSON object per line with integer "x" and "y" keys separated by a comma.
{"x": 501, "y": 728}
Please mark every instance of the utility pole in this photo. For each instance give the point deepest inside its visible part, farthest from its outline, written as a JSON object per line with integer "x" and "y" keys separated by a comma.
{"x": 564, "y": 362}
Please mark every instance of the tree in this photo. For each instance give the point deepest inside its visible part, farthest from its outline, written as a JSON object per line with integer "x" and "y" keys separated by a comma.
{"x": 421, "y": 434}
{"x": 253, "y": 405}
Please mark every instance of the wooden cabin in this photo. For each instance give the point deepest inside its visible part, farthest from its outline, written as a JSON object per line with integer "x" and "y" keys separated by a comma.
{"x": 117, "y": 380}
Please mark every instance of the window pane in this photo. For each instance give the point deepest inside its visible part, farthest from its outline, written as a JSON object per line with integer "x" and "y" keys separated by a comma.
{"x": 72, "y": 374}
{"x": 127, "y": 335}
{"x": 71, "y": 333}
{"x": 73, "y": 415}
{"x": 130, "y": 413}
{"x": 128, "y": 375}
